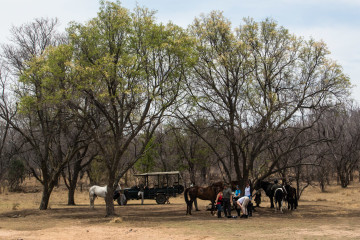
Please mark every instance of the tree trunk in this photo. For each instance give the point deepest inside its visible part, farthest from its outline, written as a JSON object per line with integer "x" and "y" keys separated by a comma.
{"x": 192, "y": 173}
{"x": 203, "y": 174}
{"x": 322, "y": 186}
{"x": 73, "y": 182}
{"x": 126, "y": 178}
{"x": 344, "y": 179}
{"x": 45, "y": 197}
{"x": 110, "y": 210}
{"x": 71, "y": 195}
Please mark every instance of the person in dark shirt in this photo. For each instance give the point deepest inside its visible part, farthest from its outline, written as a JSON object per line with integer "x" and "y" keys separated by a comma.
{"x": 227, "y": 199}
{"x": 275, "y": 186}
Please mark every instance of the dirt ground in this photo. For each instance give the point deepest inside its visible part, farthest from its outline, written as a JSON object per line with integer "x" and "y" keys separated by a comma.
{"x": 331, "y": 215}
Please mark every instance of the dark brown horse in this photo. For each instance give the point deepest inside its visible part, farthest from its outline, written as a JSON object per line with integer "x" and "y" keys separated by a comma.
{"x": 291, "y": 197}
{"x": 204, "y": 193}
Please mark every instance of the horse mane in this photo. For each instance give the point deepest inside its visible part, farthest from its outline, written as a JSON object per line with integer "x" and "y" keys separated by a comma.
{"x": 266, "y": 186}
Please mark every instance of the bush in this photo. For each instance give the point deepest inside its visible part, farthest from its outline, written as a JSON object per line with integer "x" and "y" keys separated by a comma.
{"x": 16, "y": 174}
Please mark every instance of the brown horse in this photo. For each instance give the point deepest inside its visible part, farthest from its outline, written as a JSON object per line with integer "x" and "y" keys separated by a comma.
{"x": 204, "y": 193}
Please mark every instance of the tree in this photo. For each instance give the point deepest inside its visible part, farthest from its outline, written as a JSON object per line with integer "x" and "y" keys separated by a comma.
{"x": 75, "y": 166}
{"x": 342, "y": 130}
{"x": 131, "y": 69}
{"x": 16, "y": 174}
{"x": 254, "y": 82}
{"x": 191, "y": 150}
{"x": 43, "y": 73}
{"x": 4, "y": 125}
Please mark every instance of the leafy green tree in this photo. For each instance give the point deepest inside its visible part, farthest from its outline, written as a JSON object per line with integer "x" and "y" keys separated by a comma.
{"x": 44, "y": 92}
{"x": 34, "y": 115}
{"x": 42, "y": 66}
{"x": 132, "y": 70}
{"x": 147, "y": 161}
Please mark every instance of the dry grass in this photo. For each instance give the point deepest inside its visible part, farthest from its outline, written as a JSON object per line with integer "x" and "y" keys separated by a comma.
{"x": 331, "y": 215}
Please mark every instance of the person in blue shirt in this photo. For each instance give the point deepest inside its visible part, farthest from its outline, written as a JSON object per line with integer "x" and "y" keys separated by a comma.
{"x": 237, "y": 191}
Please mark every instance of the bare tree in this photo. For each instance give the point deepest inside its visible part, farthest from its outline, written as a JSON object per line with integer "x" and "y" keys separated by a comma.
{"x": 255, "y": 82}
{"x": 342, "y": 129}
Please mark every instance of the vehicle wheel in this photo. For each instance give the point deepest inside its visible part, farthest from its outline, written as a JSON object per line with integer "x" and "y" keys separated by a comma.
{"x": 180, "y": 189}
{"x": 160, "y": 199}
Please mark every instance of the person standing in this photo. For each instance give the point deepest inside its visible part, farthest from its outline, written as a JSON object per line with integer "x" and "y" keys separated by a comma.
{"x": 243, "y": 204}
{"x": 219, "y": 202}
{"x": 248, "y": 194}
{"x": 258, "y": 198}
{"x": 227, "y": 197}
{"x": 141, "y": 193}
{"x": 237, "y": 191}
{"x": 275, "y": 186}
{"x": 248, "y": 190}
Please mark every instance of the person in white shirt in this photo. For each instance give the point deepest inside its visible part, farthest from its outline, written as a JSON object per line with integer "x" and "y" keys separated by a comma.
{"x": 248, "y": 190}
{"x": 243, "y": 203}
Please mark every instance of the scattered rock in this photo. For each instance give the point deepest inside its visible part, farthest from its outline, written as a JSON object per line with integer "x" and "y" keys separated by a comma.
{"x": 117, "y": 220}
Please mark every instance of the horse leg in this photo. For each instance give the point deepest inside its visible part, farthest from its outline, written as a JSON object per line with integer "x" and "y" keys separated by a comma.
{"x": 196, "y": 206}
{"x": 212, "y": 208}
{"x": 271, "y": 202}
{"x": 190, "y": 206}
{"x": 289, "y": 204}
{"x": 276, "y": 206}
{"x": 92, "y": 201}
{"x": 187, "y": 208}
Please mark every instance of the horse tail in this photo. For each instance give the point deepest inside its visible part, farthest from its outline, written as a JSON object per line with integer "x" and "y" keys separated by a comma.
{"x": 91, "y": 196}
{"x": 296, "y": 200}
{"x": 91, "y": 192}
{"x": 186, "y": 196}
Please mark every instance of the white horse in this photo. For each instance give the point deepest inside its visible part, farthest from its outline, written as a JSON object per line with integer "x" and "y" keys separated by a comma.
{"x": 97, "y": 191}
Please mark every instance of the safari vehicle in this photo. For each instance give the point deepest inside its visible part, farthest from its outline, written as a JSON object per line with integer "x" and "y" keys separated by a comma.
{"x": 157, "y": 185}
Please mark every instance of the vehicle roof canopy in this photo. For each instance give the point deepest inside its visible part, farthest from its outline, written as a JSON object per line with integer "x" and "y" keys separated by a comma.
{"x": 157, "y": 173}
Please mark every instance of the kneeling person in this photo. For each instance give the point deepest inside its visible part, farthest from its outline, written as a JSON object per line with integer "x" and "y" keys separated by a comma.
{"x": 243, "y": 204}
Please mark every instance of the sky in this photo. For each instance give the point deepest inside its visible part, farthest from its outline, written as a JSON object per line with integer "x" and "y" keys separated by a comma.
{"x": 336, "y": 22}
